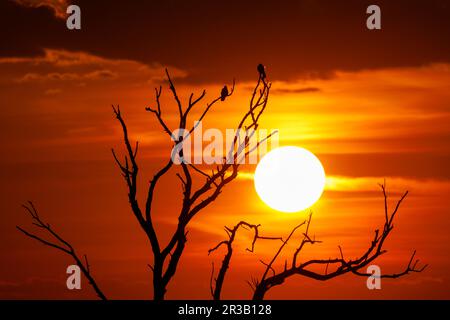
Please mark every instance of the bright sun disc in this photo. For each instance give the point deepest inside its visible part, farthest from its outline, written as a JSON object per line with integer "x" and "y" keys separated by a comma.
{"x": 289, "y": 179}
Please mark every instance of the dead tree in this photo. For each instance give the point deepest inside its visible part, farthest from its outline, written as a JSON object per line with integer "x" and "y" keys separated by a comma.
{"x": 167, "y": 256}
{"x": 194, "y": 198}
{"x": 231, "y": 232}
{"x": 332, "y": 267}
{"x": 57, "y": 242}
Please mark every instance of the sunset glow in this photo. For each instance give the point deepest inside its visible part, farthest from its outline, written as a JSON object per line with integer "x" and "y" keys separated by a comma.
{"x": 353, "y": 108}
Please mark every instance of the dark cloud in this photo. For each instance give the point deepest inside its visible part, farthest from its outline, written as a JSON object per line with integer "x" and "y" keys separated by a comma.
{"x": 216, "y": 41}
{"x": 57, "y": 6}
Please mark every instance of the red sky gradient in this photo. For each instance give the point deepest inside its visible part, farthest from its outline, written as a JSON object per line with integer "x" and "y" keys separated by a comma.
{"x": 370, "y": 105}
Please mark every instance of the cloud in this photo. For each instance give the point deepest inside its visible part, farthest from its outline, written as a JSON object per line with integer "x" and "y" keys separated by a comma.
{"x": 294, "y": 90}
{"x": 58, "y": 7}
{"x": 63, "y": 65}
{"x": 299, "y": 43}
{"x": 393, "y": 110}
{"x": 63, "y": 58}
{"x": 370, "y": 184}
{"x": 55, "y": 76}
{"x": 421, "y": 280}
{"x": 399, "y": 184}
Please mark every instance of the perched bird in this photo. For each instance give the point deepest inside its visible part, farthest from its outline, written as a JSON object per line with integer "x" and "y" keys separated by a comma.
{"x": 224, "y": 93}
{"x": 262, "y": 70}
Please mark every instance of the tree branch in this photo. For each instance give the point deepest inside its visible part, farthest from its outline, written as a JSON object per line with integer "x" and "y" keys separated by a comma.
{"x": 342, "y": 265}
{"x": 158, "y": 114}
{"x": 60, "y": 244}
{"x": 231, "y": 232}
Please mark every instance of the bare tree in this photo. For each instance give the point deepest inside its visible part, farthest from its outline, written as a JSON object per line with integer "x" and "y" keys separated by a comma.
{"x": 57, "y": 242}
{"x": 194, "y": 198}
{"x": 332, "y": 267}
{"x": 166, "y": 257}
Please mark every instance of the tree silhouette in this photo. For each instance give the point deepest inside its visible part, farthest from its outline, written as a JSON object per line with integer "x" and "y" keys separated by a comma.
{"x": 57, "y": 242}
{"x": 217, "y": 289}
{"x": 194, "y": 198}
{"x": 333, "y": 267}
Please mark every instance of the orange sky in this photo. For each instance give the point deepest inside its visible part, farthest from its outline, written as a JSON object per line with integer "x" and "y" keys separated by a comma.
{"x": 364, "y": 124}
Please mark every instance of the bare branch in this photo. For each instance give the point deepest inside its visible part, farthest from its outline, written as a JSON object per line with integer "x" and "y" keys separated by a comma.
{"x": 342, "y": 265}
{"x": 175, "y": 95}
{"x": 268, "y": 266}
{"x": 306, "y": 239}
{"x": 280, "y": 249}
{"x": 193, "y": 103}
{"x": 60, "y": 244}
{"x": 211, "y": 286}
{"x": 230, "y": 169}
{"x": 158, "y": 114}
{"x": 208, "y": 107}
{"x": 229, "y": 244}
{"x": 217, "y": 246}
{"x": 410, "y": 268}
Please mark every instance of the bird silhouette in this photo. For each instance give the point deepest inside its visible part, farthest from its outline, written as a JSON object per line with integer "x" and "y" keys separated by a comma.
{"x": 224, "y": 93}
{"x": 262, "y": 70}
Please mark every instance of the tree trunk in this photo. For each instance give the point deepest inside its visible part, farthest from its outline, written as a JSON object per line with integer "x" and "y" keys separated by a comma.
{"x": 260, "y": 291}
{"x": 221, "y": 274}
{"x": 159, "y": 289}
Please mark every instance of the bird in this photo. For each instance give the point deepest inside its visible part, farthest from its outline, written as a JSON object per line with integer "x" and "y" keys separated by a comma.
{"x": 224, "y": 93}
{"x": 262, "y": 70}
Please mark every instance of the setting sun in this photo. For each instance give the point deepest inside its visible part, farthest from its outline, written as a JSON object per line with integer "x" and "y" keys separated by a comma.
{"x": 289, "y": 179}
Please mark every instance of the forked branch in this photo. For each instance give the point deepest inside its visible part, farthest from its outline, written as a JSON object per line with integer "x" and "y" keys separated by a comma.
{"x": 57, "y": 242}
{"x": 340, "y": 264}
{"x": 231, "y": 232}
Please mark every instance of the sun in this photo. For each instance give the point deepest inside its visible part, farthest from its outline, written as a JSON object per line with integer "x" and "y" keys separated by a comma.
{"x": 289, "y": 179}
